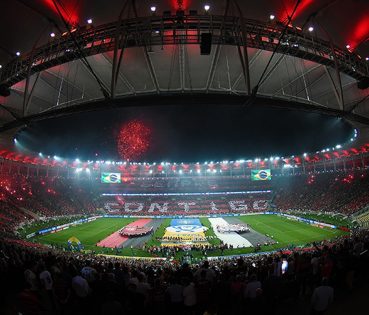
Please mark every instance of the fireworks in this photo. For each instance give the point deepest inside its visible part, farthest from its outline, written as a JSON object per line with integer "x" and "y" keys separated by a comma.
{"x": 133, "y": 140}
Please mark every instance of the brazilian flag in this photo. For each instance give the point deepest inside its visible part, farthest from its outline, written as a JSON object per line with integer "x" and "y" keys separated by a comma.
{"x": 261, "y": 174}
{"x": 111, "y": 178}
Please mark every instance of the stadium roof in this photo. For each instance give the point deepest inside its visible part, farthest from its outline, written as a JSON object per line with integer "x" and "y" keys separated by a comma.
{"x": 156, "y": 67}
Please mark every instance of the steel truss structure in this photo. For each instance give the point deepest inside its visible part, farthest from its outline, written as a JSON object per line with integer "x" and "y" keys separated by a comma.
{"x": 181, "y": 29}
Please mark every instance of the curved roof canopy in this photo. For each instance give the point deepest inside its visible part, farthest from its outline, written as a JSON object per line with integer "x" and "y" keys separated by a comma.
{"x": 128, "y": 50}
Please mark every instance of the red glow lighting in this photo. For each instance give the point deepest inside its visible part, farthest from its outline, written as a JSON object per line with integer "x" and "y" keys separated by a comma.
{"x": 290, "y": 5}
{"x": 68, "y": 8}
{"x": 360, "y": 31}
{"x": 180, "y": 4}
{"x": 133, "y": 140}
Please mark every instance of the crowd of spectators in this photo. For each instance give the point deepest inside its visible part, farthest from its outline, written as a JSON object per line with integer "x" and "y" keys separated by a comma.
{"x": 330, "y": 192}
{"x": 40, "y": 281}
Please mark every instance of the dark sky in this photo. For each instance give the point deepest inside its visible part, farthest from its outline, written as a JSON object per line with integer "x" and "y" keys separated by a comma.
{"x": 189, "y": 134}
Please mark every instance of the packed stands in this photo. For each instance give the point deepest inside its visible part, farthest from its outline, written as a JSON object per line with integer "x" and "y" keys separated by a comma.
{"x": 327, "y": 192}
{"x": 40, "y": 281}
{"x": 23, "y": 198}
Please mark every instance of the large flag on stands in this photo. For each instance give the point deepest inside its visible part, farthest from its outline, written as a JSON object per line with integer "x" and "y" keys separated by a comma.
{"x": 111, "y": 178}
{"x": 261, "y": 174}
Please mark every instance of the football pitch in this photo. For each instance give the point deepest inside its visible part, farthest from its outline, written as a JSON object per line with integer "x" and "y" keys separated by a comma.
{"x": 284, "y": 231}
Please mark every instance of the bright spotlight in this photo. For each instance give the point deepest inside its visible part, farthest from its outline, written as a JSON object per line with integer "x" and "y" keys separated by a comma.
{"x": 1, "y": 66}
{"x": 52, "y": 34}
{"x": 15, "y": 140}
{"x": 311, "y": 28}
{"x": 77, "y": 160}
{"x": 18, "y": 53}
{"x": 348, "y": 46}
{"x": 40, "y": 154}
{"x": 153, "y": 8}
{"x": 206, "y": 7}
{"x": 338, "y": 146}
{"x": 272, "y": 17}
{"x": 367, "y": 59}
{"x": 89, "y": 21}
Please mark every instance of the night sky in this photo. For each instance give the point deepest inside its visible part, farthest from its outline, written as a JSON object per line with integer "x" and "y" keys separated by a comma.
{"x": 189, "y": 134}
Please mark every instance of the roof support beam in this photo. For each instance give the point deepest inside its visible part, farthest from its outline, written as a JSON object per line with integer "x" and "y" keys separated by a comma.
{"x": 275, "y": 66}
{"x": 119, "y": 39}
{"x": 336, "y": 91}
{"x": 182, "y": 66}
{"x": 339, "y": 89}
{"x": 244, "y": 57}
{"x": 252, "y": 61}
{"x": 295, "y": 79}
{"x": 103, "y": 88}
{"x": 215, "y": 60}
{"x": 122, "y": 77}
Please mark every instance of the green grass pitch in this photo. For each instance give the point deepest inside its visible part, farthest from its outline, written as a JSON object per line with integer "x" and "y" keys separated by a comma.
{"x": 283, "y": 230}
{"x": 88, "y": 233}
{"x": 289, "y": 232}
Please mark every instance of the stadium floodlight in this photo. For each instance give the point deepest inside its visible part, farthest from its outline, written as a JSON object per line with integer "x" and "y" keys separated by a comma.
{"x": 18, "y": 53}
{"x": 206, "y": 7}
{"x": 153, "y": 8}
{"x": 271, "y": 17}
{"x": 89, "y": 21}
{"x": 311, "y": 29}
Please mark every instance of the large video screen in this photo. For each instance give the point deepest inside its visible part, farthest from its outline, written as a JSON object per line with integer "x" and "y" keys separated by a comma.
{"x": 261, "y": 174}
{"x": 111, "y": 178}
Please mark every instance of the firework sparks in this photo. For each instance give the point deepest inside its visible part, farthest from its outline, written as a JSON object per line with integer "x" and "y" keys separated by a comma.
{"x": 133, "y": 140}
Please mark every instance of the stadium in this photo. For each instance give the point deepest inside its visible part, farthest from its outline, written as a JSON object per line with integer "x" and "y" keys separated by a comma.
{"x": 184, "y": 156}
